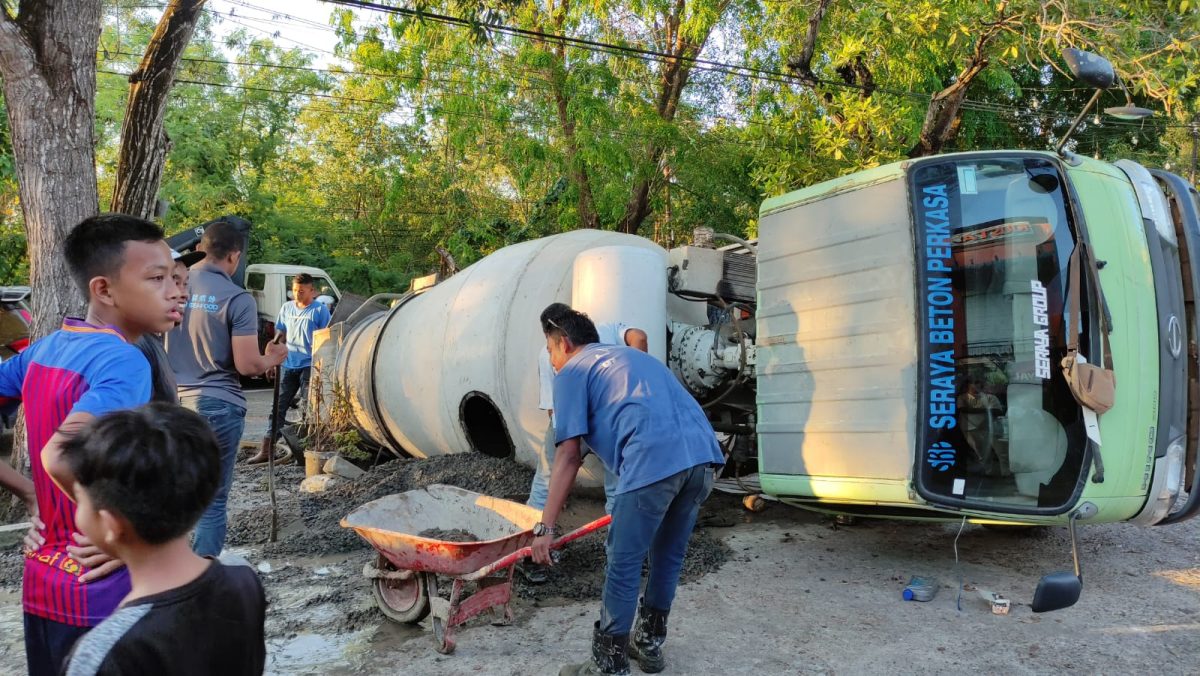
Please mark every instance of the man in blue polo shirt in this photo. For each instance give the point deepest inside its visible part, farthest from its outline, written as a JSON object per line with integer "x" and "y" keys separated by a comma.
{"x": 297, "y": 320}
{"x": 648, "y": 431}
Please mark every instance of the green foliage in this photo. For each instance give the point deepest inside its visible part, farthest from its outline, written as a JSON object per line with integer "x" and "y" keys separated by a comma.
{"x": 427, "y": 135}
{"x": 14, "y": 261}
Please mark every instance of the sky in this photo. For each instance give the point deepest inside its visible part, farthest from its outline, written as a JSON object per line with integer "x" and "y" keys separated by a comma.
{"x": 300, "y": 23}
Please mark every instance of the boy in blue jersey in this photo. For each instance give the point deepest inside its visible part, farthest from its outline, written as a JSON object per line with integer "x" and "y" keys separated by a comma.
{"x": 648, "y": 431}
{"x": 86, "y": 369}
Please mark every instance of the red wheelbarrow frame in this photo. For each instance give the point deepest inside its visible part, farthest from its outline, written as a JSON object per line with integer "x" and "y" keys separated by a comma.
{"x": 492, "y": 592}
{"x": 416, "y": 561}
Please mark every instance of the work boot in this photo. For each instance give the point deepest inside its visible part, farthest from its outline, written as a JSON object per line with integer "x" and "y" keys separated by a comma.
{"x": 534, "y": 573}
{"x": 648, "y": 637}
{"x": 608, "y": 656}
{"x": 264, "y": 453}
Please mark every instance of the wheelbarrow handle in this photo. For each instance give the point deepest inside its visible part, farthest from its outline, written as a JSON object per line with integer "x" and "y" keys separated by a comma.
{"x": 525, "y": 552}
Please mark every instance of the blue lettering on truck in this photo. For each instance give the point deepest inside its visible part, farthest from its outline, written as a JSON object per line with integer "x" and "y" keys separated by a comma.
{"x": 939, "y": 316}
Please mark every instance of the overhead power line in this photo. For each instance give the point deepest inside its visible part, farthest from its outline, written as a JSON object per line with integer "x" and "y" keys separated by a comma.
{"x": 701, "y": 64}
{"x": 741, "y": 70}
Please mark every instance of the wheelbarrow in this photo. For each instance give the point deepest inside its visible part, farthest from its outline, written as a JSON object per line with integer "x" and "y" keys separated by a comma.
{"x": 404, "y": 575}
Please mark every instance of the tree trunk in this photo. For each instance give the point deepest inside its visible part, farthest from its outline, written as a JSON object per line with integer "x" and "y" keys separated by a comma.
{"x": 673, "y": 79}
{"x": 588, "y": 218}
{"x": 941, "y": 118}
{"x": 48, "y": 64}
{"x": 144, "y": 143}
{"x": 576, "y": 168}
{"x": 802, "y": 64}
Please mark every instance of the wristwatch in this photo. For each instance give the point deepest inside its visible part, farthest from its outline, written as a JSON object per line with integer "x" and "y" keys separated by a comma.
{"x": 540, "y": 529}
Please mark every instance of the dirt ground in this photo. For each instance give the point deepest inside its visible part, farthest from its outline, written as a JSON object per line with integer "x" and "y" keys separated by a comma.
{"x": 783, "y": 591}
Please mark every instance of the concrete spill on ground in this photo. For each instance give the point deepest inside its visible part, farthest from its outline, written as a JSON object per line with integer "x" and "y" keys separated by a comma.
{"x": 579, "y": 574}
{"x": 12, "y": 568}
{"x": 12, "y": 562}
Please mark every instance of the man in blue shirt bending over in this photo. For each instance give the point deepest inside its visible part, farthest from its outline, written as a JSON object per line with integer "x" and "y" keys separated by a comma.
{"x": 297, "y": 320}
{"x": 648, "y": 431}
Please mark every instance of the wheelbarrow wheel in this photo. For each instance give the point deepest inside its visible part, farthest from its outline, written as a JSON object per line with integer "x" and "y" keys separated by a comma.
{"x": 403, "y": 601}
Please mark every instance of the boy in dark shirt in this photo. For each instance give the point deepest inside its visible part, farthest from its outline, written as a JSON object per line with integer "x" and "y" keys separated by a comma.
{"x": 140, "y": 480}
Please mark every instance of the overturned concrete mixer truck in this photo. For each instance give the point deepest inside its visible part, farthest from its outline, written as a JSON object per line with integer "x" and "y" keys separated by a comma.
{"x": 1003, "y": 337}
{"x": 891, "y": 346}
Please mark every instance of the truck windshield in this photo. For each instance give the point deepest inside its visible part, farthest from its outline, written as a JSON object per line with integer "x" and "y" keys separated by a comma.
{"x": 1000, "y": 429}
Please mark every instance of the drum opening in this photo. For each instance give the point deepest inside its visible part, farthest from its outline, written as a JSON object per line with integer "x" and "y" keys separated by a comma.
{"x": 484, "y": 426}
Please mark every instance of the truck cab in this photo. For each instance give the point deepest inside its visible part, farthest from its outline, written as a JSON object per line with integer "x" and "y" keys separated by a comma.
{"x": 911, "y": 324}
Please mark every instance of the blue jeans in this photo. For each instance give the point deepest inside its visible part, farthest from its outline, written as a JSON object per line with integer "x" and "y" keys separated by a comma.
{"x": 291, "y": 382}
{"x": 47, "y": 644}
{"x": 657, "y": 519}
{"x": 539, "y": 488}
{"x": 227, "y": 422}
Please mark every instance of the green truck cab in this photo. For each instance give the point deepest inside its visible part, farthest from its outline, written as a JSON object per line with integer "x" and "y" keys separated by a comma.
{"x": 911, "y": 322}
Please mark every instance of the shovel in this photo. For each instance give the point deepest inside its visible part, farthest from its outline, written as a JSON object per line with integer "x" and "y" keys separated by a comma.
{"x": 271, "y": 451}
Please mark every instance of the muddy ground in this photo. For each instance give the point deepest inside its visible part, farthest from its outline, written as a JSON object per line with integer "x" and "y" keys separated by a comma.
{"x": 778, "y": 592}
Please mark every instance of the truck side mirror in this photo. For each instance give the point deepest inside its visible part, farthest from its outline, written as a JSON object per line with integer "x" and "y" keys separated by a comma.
{"x": 1061, "y": 589}
{"x": 1056, "y": 591}
{"x": 1093, "y": 69}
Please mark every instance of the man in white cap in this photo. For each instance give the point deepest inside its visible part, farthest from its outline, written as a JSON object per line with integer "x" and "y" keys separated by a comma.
{"x": 327, "y": 301}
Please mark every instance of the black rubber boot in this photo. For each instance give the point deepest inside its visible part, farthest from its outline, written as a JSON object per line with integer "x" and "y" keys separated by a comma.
{"x": 534, "y": 573}
{"x": 609, "y": 656}
{"x": 648, "y": 637}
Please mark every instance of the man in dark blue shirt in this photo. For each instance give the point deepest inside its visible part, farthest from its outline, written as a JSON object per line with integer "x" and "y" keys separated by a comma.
{"x": 648, "y": 431}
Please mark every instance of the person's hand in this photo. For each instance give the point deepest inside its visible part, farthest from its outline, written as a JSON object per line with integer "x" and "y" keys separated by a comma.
{"x": 541, "y": 549}
{"x": 34, "y": 539}
{"x": 88, "y": 555}
{"x": 31, "y": 506}
{"x": 270, "y": 374}
{"x": 276, "y": 353}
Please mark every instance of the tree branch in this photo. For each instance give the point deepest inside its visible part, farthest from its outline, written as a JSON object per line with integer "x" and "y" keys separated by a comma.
{"x": 941, "y": 118}
{"x": 802, "y": 65}
{"x": 144, "y": 144}
{"x": 17, "y": 58}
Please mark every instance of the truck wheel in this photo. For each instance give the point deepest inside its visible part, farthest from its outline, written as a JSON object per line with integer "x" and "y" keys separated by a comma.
{"x": 403, "y": 601}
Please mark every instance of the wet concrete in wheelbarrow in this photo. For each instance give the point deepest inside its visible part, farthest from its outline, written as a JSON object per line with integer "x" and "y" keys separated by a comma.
{"x": 449, "y": 535}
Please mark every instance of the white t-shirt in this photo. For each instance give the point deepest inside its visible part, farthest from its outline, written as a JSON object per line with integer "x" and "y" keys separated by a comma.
{"x": 611, "y": 333}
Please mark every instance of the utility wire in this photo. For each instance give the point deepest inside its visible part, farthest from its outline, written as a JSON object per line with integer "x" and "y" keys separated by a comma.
{"x": 660, "y": 57}
{"x": 700, "y": 64}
